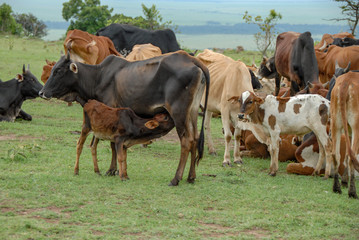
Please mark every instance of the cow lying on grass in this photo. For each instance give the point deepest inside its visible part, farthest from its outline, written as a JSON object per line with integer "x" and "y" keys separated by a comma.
{"x": 268, "y": 118}
{"x": 14, "y": 92}
{"x": 122, "y": 127}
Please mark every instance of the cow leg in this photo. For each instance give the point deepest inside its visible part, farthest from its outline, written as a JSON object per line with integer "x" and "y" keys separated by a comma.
{"x": 94, "y": 155}
{"x": 345, "y": 176}
{"x": 237, "y": 144}
{"x": 277, "y": 84}
{"x": 227, "y": 138}
{"x": 80, "y": 143}
{"x": 355, "y": 146}
{"x": 185, "y": 148}
{"x": 274, "y": 150}
{"x": 298, "y": 168}
{"x": 22, "y": 114}
{"x": 336, "y": 158}
{"x": 207, "y": 127}
{"x": 192, "y": 170}
{"x": 325, "y": 146}
{"x": 112, "y": 171}
{"x": 121, "y": 157}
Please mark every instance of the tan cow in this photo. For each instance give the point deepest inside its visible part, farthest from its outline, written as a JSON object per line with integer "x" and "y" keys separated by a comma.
{"x": 344, "y": 112}
{"x": 143, "y": 51}
{"x": 228, "y": 78}
{"x": 88, "y": 48}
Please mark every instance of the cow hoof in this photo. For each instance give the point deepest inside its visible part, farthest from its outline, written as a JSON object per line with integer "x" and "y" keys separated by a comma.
{"x": 124, "y": 178}
{"x": 353, "y": 195}
{"x": 238, "y": 162}
{"x": 325, "y": 178}
{"x": 98, "y": 173}
{"x": 213, "y": 153}
{"x": 272, "y": 174}
{"x": 172, "y": 184}
{"x": 227, "y": 164}
{"x": 76, "y": 173}
{"x": 337, "y": 189}
{"x": 190, "y": 180}
{"x": 111, "y": 172}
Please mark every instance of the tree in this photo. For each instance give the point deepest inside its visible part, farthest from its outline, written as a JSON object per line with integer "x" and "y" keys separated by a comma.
{"x": 350, "y": 9}
{"x": 7, "y": 20}
{"x": 31, "y": 25}
{"x": 152, "y": 19}
{"x": 265, "y": 38}
{"x": 87, "y": 15}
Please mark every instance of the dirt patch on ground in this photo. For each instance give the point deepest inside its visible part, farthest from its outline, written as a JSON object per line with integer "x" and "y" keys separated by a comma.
{"x": 14, "y": 137}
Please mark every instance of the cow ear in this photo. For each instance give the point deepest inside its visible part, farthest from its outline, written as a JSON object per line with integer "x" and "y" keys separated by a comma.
{"x": 233, "y": 99}
{"x": 259, "y": 100}
{"x": 152, "y": 124}
{"x": 19, "y": 77}
{"x": 73, "y": 67}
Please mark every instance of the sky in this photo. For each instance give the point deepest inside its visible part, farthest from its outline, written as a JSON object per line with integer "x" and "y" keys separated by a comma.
{"x": 190, "y": 12}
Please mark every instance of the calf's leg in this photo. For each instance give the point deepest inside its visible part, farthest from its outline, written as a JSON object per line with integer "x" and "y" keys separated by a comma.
{"x": 112, "y": 171}
{"x": 80, "y": 143}
{"x": 94, "y": 155}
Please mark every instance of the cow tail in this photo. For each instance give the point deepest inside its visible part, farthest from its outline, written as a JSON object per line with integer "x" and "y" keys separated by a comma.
{"x": 200, "y": 144}
{"x": 353, "y": 159}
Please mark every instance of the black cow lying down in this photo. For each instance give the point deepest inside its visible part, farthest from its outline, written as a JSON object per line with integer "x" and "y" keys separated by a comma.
{"x": 14, "y": 92}
{"x": 122, "y": 127}
{"x": 125, "y": 36}
{"x": 171, "y": 83}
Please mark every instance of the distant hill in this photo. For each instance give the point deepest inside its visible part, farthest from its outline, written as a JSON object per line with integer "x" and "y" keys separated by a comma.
{"x": 239, "y": 28}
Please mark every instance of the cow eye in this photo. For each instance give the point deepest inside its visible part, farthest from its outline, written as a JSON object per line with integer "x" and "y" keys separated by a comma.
{"x": 250, "y": 102}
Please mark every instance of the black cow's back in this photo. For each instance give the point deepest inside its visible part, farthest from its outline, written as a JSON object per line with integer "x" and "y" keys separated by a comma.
{"x": 124, "y": 37}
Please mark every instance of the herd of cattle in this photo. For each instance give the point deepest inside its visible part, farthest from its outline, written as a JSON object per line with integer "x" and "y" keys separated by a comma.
{"x": 136, "y": 85}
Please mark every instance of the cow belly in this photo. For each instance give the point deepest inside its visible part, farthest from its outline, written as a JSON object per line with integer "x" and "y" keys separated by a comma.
{"x": 104, "y": 136}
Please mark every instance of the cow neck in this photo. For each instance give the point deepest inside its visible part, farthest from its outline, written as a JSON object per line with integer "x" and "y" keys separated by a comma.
{"x": 88, "y": 82}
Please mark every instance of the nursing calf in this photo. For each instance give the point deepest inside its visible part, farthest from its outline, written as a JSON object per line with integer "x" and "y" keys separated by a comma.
{"x": 268, "y": 118}
{"x": 122, "y": 127}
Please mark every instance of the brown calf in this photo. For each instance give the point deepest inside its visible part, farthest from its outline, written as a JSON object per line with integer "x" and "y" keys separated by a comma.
{"x": 122, "y": 127}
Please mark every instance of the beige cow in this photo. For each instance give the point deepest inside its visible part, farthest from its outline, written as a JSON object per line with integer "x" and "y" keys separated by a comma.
{"x": 228, "y": 78}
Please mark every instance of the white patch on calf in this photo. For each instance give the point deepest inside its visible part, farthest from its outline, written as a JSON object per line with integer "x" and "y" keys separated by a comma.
{"x": 245, "y": 95}
{"x": 310, "y": 157}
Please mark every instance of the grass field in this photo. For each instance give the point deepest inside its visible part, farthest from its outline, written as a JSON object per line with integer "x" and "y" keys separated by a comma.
{"x": 40, "y": 198}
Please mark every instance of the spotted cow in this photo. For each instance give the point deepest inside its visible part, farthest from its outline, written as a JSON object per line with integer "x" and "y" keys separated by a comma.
{"x": 268, "y": 118}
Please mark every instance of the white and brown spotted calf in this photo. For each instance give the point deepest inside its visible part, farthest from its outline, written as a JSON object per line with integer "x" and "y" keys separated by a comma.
{"x": 122, "y": 127}
{"x": 268, "y": 118}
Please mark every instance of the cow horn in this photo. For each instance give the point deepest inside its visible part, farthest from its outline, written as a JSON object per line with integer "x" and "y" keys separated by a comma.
{"x": 68, "y": 55}
{"x": 28, "y": 66}
{"x": 23, "y": 68}
{"x": 347, "y": 68}
{"x": 324, "y": 46}
{"x": 310, "y": 85}
{"x": 325, "y": 85}
{"x": 336, "y": 64}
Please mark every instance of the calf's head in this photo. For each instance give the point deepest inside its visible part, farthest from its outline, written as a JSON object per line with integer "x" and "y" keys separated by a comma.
{"x": 63, "y": 79}
{"x": 29, "y": 84}
{"x": 249, "y": 107}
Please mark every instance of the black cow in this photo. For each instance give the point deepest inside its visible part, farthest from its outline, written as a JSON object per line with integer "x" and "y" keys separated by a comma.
{"x": 14, "y": 92}
{"x": 171, "y": 83}
{"x": 345, "y": 42}
{"x": 124, "y": 37}
{"x": 256, "y": 84}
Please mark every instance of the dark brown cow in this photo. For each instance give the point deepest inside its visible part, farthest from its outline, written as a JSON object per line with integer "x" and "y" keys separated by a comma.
{"x": 122, "y": 127}
{"x": 295, "y": 59}
{"x": 88, "y": 48}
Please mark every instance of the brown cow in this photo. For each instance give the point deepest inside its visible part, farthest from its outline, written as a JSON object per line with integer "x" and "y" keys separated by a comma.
{"x": 88, "y": 48}
{"x": 122, "y": 127}
{"x": 344, "y": 112}
{"x": 228, "y": 78}
{"x": 253, "y": 148}
{"x": 46, "y": 70}
{"x": 327, "y": 60}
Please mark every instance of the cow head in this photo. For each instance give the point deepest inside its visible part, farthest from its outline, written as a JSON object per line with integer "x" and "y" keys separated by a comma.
{"x": 62, "y": 81}
{"x": 46, "y": 70}
{"x": 267, "y": 68}
{"x": 29, "y": 84}
{"x": 249, "y": 107}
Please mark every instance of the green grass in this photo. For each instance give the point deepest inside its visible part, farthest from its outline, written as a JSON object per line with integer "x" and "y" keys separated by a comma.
{"x": 40, "y": 198}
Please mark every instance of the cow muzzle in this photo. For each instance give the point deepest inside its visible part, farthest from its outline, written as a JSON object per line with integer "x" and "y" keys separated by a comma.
{"x": 42, "y": 95}
{"x": 242, "y": 117}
